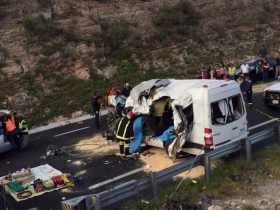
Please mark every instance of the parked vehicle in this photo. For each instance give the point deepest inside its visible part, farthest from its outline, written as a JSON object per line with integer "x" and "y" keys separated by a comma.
{"x": 271, "y": 96}
{"x": 189, "y": 115}
{"x": 4, "y": 144}
{"x": 253, "y": 65}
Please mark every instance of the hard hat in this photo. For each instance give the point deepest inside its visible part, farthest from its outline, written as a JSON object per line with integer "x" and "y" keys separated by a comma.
{"x": 130, "y": 115}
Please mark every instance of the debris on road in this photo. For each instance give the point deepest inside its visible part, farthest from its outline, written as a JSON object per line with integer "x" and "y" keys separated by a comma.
{"x": 146, "y": 153}
{"x": 43, "y": 157}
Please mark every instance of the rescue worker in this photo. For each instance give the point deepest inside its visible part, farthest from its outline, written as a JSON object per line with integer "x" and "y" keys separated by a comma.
{"x": 247, "y": 89}
{"x": 12, "y": 132}
{"x": 23, "y": 132}
{"x": 124, "y": 133}
{"x": 96, "y": 108}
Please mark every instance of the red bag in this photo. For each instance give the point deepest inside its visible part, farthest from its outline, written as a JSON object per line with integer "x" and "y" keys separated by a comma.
{"x": 58, "y": 181}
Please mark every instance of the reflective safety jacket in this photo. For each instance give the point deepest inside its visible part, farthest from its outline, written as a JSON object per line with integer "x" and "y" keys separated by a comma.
{"x": 231, "y": 70}
{"x": 23, "y": 126}
{"x": 10, "y": 126}
{"x": 124, "y": 129}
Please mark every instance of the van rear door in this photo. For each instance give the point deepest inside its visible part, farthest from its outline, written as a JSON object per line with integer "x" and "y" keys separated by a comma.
{"x": 238, "y": 122}
{"x": 221, "y": 131}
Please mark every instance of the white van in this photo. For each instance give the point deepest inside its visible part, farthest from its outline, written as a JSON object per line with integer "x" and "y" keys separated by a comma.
{"x": 206, "y": 114}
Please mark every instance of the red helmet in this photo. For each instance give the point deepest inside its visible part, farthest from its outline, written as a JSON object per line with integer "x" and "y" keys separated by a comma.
{"x": 130, "y": 114}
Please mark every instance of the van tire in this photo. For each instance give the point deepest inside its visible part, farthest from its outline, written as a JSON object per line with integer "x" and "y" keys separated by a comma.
{"x": 271, "y": 108}
{"x": 166, "y": 145}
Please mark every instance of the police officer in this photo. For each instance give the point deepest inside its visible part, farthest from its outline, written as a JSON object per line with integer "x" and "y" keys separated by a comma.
{"x": 247, "y": 89}
{"x": 96, "y": 108}
{"x": 23, "y": 132}
{"x": 124, "y": 133}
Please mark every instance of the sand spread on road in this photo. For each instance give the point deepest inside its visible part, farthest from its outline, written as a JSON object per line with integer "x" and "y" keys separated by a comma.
{"x": 156, "y": 161}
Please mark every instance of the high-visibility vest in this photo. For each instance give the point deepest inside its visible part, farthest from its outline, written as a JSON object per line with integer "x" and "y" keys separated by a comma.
{"x": 122, "y": 131}
{"x": 231, "y": 70}
{"x": 20, "y": 126}
{"x": 10, "y": 126}
{"x": 13, "y": 120}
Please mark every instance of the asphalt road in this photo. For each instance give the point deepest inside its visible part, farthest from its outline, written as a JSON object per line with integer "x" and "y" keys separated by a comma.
{"x": 94, "y": 170}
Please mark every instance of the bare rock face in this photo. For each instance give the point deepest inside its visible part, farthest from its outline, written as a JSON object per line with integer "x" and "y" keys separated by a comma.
{"x": 12, "y": 68}
{"x": 108, "y": 71}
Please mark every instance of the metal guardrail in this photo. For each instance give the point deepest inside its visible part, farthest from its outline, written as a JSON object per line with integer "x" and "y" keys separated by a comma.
{"x": 133, "y": 187}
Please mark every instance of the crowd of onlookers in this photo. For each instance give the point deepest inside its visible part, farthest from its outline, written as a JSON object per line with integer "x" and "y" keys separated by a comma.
{"x": 221, "y": 70}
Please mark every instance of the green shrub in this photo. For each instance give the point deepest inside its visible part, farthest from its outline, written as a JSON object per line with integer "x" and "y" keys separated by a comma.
{"x": 122, "y": 54}
{"x": 51, "y": 48}
{"x": 2, "y": 64}
{"x": 113, "y": 35}
{"x": 70, "y": 36}
{"x": 3, "y": 13}
{"x": 44, "y": 3}
{"x": 17, "y": 61}
{"x": 43, "y": 60}
{"x": 220, "y": 29}
{"x": 28, "y": 77}
{"x": 176, "y": 20}
{"x": 40, "y": 27}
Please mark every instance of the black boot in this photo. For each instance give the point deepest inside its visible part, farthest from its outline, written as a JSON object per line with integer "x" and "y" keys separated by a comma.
{"x": 127, "y": 151}
{"x": 121, "y": 149}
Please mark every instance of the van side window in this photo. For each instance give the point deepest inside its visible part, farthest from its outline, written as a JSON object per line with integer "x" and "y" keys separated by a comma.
{"x": 237, "y": 106}
{"x": 219, "y": 110}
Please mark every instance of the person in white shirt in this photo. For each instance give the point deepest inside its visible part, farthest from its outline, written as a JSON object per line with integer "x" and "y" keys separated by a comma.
{"x": 245, "y": 69}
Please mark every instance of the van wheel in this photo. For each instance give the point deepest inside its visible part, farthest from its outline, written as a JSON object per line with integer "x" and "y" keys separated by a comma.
{"x": 166, "y": 145}
{"x": 271, "y": 108}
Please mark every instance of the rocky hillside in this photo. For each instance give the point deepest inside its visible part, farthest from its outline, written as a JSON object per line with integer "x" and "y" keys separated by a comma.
{"x": 54, "y": 54}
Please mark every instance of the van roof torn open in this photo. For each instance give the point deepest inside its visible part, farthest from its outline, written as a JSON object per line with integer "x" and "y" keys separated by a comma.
{"x": 192, "y": 116}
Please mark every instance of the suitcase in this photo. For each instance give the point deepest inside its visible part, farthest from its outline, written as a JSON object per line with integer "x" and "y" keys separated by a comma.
{"x": 58, "y": 181}
{"x": 48, "y": 184}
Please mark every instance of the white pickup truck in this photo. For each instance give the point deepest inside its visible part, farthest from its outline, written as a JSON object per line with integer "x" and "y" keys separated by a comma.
{"x": 271, "y": 96}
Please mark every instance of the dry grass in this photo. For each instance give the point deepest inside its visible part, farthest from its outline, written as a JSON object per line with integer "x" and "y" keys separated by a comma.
{"x": 221, "y": 185}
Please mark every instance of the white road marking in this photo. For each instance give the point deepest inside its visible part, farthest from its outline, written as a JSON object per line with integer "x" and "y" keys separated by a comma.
{"x": 261, "y": 124}
{"x": 115, "y": 178}
{"x": 71, "y": 131}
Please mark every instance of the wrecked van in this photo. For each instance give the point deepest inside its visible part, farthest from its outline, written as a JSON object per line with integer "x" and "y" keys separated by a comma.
{"x": 192, "y": 116}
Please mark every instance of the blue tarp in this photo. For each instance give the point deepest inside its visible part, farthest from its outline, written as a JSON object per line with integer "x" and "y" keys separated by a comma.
{"x": 167, "y": 135}
{"x": 138, "y": 134}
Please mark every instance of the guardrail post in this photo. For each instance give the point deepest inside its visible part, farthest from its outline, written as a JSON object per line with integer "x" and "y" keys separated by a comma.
{"x": 93, "y": 202}
{"x": 153, "y": 184}
{"x": 207, "y": 166}
{"x": 248, "y": 150}
{"x": 277, "y": 132}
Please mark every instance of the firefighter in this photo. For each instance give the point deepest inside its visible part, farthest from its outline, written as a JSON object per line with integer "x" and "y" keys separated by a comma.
{"x": 124, "y": 133}
{"x": 23, "y": 132}
{"x": 12, "y": 132}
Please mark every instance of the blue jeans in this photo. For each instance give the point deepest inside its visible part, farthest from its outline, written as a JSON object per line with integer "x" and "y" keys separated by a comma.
{"x": 265, "y": 76}
{"x": 13, "y": 135}
{"x": 231, "y": 77}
